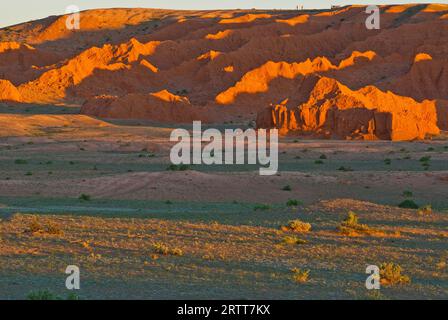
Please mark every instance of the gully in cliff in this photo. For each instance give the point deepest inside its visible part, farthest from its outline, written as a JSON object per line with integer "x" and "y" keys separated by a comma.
{"x": 230, "y": 149}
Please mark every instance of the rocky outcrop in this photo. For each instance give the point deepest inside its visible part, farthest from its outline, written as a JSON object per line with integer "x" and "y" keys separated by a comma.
{"x": 8, "y": 92}
{"x": 335, "y": 111}
{"x": 160, "y": 107}
{"x": 232, "y": 64}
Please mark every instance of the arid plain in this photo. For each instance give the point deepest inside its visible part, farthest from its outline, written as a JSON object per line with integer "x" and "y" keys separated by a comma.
{"x": 86, "y": 178}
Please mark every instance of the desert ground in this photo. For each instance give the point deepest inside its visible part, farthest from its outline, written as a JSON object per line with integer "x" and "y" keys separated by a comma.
{"x": 86, "y": 178}
{"x": 226, "y": 220}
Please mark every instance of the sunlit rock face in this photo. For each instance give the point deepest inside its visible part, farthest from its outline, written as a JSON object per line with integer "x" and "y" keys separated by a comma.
{"x": 319, "y": 73}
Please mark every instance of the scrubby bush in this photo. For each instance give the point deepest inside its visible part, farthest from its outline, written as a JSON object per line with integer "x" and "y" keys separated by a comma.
{"x": 293, "y": 240}
{"x": 300, "y": 275}
{"x": 181, "y": 167}
{"x": 293, "y": 203}
{"x": 425, "y": 210}
{"x": 163, "y": 249}
{"x": 351, "y": 225}
{"x": 408, "y": 194}
{"x": 85, "y": 197}
{"x": 390, "y": 274}
{"x": 42, "y": 295}
{"x": 262, "y": 207}
{"x": 408, "y": 204}
{"x": 345, "y": 169}
{"x": 297, "y": 226}
{"x": 20, "y": 161}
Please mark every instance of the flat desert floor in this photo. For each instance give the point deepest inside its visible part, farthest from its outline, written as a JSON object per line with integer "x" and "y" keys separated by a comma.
{"x": 78, "y": 191}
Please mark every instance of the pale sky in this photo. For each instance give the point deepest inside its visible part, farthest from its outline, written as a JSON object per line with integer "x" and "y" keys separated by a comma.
{"x": 17, "y": 11}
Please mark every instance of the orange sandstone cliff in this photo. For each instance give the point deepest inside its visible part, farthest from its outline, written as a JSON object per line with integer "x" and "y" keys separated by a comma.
{"x": 324, "y": 72}
{"x": 335, "y": 111}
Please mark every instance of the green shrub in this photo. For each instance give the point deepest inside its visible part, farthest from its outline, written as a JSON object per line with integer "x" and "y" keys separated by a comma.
{"x": 42, "y": 295}
{"x": 181, "y": 167}
{"x": 85, "y": 197}
{"x": 297, "y": 226}
{"x": 21, "y": 161}
{"x": 293, "y": 203}
{"x": 408, "y": 194}
{"x": 287, "y": 188}
{"x": 318, "y": 162}
{"x": 408, "y": 204}
{"x": 262, "y": 207}
{"x": 323, "y": 157}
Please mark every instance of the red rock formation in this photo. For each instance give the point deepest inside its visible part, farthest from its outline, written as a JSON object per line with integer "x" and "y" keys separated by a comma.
{"x": 232, "y": 64}
{"x": 335, "y": 111}
{"x": 8, "y": 92}
{"x": 160, "y": 106}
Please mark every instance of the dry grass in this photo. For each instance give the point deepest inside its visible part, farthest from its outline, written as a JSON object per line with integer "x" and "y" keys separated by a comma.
{"x": 297, "y": 226}
{"x": 390, "y": 274}
{"x": 300, "y": 276}
{"x": 163, "y": 249}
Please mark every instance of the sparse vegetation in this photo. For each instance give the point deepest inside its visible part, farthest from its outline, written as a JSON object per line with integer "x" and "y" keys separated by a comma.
{"x": 85, "y": 197}
{"x": 351, "y": 226}
{"x": 181, "y": 167}
{"x": 408, "y": 194}
{"x": 293, "y": 240}
{"x": 36, "y": 227}
{"x": 293, "y": 203}
{"x": 47, "y": 295}
{"x": 297, "y": 226}
{"x": 262, "y": 207}
{"x": 390, "y": 274}
{"x": 300, "y": 275}
{"x": 163, "y": 249}
{"x": 43, "y": 295}
{"x": 146, "y": 155}
{"x": 408, "y": 204}
{"x": 425, "y": 210}
{"x": 345, "y": 169}
{"x": 425, "y": 159}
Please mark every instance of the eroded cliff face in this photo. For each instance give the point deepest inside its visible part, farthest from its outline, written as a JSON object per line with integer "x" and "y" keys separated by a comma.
{"x": 8, "y": 92}
{"x": 160, "y": 106}
{"x": 335, "y": 111}
{"x": 232, "y": 65}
